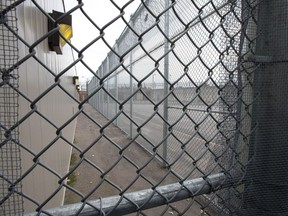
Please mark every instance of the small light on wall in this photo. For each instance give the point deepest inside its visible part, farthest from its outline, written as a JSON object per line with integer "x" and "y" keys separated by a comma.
{"x": 55, "y": 41}
{"x": 75, "y": 80}
{"x": 66, "y": 31}
{"x": 78, "y": 87}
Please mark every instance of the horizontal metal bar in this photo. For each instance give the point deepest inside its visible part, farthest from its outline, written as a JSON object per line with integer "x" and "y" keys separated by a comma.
{"x": 172, "y": 192}
{"x": 201, "y": 110}
{"x": 267, "y": 59}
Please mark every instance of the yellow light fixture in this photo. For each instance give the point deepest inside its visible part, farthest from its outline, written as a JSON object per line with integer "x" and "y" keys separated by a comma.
{"x": 55, "y": 41}
{"x": 66, "y": 31}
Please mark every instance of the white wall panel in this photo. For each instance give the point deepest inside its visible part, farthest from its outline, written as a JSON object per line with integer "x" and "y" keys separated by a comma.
{"x": 35, "y": 132}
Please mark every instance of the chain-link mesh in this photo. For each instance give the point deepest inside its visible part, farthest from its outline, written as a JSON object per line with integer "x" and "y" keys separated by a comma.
{"x": 169, "y": 127}
{"x": 10, "y": 164}
{"x": 205, "y": 79}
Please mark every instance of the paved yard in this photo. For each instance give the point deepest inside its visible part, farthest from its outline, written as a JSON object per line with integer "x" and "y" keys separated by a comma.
{"x": 103, "y": 155}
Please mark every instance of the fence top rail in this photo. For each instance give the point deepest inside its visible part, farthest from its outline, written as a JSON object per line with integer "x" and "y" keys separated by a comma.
{"x": 148, "y": 198}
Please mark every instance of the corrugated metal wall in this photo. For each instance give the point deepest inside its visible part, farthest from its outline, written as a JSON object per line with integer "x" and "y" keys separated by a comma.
{"x": 35, "y": 132}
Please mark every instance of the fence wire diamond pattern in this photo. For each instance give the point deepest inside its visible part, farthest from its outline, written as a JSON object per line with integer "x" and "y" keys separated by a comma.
{"x": 169, "y": 111}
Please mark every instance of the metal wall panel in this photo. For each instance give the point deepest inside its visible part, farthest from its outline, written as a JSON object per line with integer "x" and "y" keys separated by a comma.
{"x": 34, "y": 79}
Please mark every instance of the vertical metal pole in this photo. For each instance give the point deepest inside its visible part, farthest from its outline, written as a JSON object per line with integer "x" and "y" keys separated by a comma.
{"x": 99, "y": 92}
{"x": 87, "y": 84}
{"x": 131, "y": 79}
{"x": 154, "y": 87}
{"x": 267, "y": 190}
{"x": 116, "y": 87}
{"x": 108, "y": 99}
{"x": 166, "y": 75}
{"x": 102, "y": 91}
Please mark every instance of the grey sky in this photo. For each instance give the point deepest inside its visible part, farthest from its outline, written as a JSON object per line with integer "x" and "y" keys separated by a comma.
{"x": 101, "y": 12}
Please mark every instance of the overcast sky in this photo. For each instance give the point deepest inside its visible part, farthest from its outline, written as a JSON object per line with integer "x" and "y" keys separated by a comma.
{"x": 101, "y": 12}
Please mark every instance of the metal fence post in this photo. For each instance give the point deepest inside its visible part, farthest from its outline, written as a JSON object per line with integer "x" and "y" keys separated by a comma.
{"x": 99, "y": 92}
{"x": 108, "y": 101}
{"x": 166, "y": 75}
{"x": 96, "y": 86}
{"x": 102, "y": 91}
{"x": 116, "y": 86}
{"x": 131, "y": 79}
{"x": 267, "y": 190}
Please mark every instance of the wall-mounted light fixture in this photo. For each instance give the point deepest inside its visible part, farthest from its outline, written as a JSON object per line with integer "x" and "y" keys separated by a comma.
{"x": 75, "y": 80}
{"x": 55, "y": 41}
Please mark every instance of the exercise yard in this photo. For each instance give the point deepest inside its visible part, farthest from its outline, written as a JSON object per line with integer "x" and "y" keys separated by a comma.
{"x": 104, "y": 155}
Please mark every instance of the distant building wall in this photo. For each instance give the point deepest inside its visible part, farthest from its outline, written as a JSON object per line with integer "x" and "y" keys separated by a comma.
{"x": 82, "y": 95}
{"x": 197, "y": 95}
{"x": 36, "y": 133}
{"x": 186, "y": 94}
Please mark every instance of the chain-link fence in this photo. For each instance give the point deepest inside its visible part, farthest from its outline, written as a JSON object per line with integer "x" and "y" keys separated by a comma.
{"x": 179, "y": 88}
{"x": 186, "y": 115}
{"x": 10, "y": 153}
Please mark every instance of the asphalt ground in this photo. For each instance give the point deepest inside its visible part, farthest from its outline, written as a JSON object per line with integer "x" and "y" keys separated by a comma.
{"x": 196, "y": 130}
{"x": 102, "y": 156}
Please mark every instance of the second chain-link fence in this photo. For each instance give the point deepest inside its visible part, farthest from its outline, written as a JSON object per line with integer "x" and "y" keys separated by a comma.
{"x": 179, "y": 86}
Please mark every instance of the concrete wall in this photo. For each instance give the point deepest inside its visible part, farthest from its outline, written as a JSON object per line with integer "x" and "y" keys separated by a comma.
{"x": 35, "y": 132}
